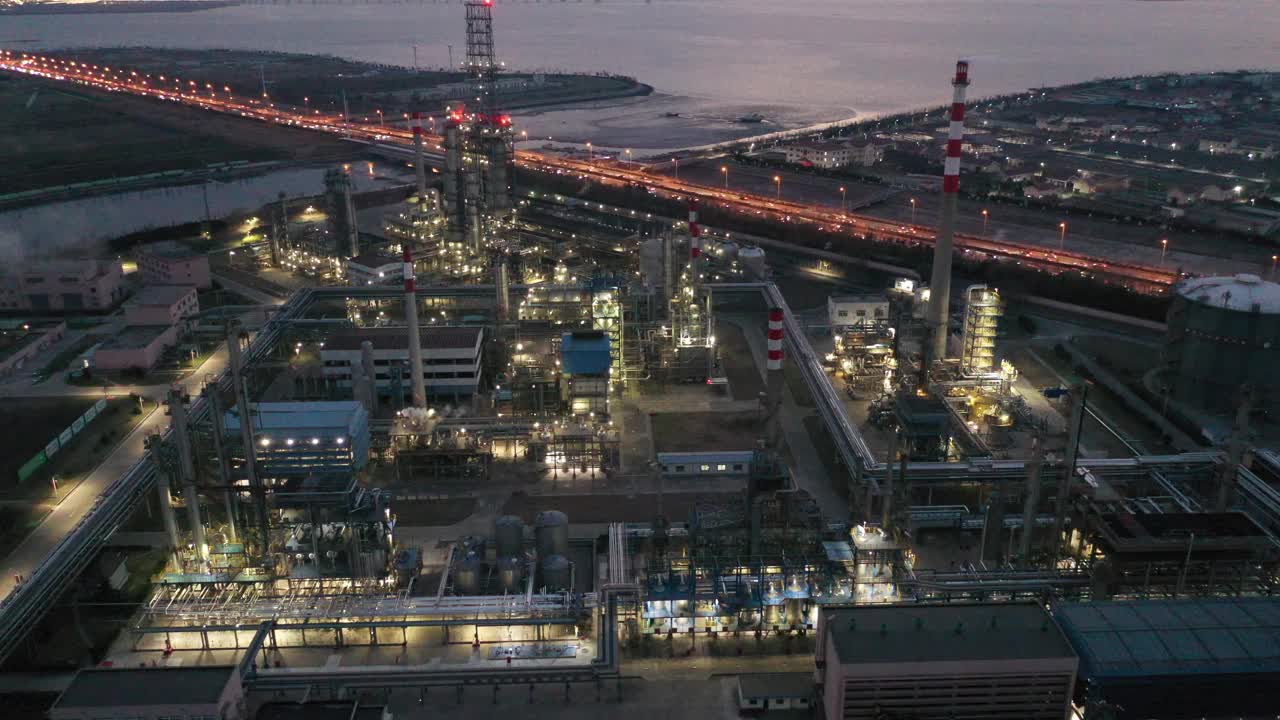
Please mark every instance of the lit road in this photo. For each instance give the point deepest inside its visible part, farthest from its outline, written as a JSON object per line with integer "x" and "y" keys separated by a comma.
{"x": 71, "y": 509}
{"x": 1143, "y": 278}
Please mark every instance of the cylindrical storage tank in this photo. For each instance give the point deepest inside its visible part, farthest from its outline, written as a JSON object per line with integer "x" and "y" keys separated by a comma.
{"x": 752, "y": 259}
{"x": 729, "y": 251}
{"x": 466, "y": 576}
{"x": 510, "y": 573}
{"x": 1224, "y": 332}
{"x": 508, "y": 533}
{"x": 556, "y": 574}
{"x": 773, "y": 615}
{"x": 551, "y": 530}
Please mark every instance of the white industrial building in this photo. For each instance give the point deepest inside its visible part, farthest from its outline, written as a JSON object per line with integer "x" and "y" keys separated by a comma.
{"x": 1006, "y": 661}
{"x": 451, "y": 358}
{"x": 846, "y": 311}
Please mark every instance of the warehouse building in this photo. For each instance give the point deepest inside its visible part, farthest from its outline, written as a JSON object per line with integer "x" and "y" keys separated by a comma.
{"x": 451, "y": 358}
{"x": 1174, "y": 659}
{"x": 162, "y": 305}
{"x": 985, "y": 660}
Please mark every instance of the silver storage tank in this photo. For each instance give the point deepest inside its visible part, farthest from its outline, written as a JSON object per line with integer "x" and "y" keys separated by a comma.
{"x": 551, "y": 530}
{"x": 1224, "y": 332}
{"x": 510, "y": 573}
{"x": 466, "y": 576}
{"x": 556, "y": 574}
{"x": 508, "y": 532}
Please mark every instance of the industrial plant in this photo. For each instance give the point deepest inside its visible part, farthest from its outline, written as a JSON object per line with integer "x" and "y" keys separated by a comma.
{"x": 655, "y": 450}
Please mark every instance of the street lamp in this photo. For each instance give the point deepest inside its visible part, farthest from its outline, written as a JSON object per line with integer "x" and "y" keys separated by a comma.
{"x": 985, "y": 215}
{"x": 629, "y": 160}
{"x": 1274, "y": 258}
{"x": 591, "y": 154}
{"x": 724, "y": 170}
{"x": 844, "y": 201}
{"x": 1164, "y": 248}
{"x": 913, "y": 211}
{"x": 379, "y": 117}
{"x": 675, "y": 164}
{"x": 777, "y": 181}
{"x": 1062, "y": 239}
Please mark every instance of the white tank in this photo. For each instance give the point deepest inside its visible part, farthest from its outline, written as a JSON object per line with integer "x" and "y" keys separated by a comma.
{"x": 729, "y": 251}
{"x": 752, "y": 259}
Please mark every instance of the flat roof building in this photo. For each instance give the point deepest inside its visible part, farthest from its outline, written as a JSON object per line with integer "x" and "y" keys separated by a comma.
{"x": 169, "y": 263}
{"x": 135, "y": 347}
{"x": 977, "y": 661}
{"x": 162, "y": 305}
{"x": 1174, "y": 659}
{"x": 209, "y": 692}
{"x": 293, "y": 438}
{"x": 451, "y": 358}
{"x": 62, "y": 286}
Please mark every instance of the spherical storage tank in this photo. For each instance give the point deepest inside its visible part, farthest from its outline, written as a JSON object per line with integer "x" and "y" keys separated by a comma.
{"x": 551, "y": 530}
{"x": 508, "y": 531}
{"x": 555, "y": 572}
{"x": 1224, "y": 332}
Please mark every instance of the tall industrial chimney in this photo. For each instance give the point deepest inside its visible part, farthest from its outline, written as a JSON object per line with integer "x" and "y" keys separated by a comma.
{"x": 419, "y": 159}
{"x": 940, "y": 282}
{"x": 256, "y": 486}
{"x": 502, "y": 286}
{"x": 773, "y": 386}
{"x": 695, "y": 247}
{"x": 415, "y": 339}
{"x": 353, "y": 231}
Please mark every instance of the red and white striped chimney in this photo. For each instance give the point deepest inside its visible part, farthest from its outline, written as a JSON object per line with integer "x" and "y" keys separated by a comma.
{"x": 955, "y": 135}
{"x": 409, "y": 279}
{"x": 940, "y": 279}
{"x": 775, "y": 340}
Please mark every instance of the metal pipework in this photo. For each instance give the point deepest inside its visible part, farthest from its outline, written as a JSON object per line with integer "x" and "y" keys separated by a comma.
{"x": 353, "y": 231}
{"x": 210, "y": 393}
{"x": 1031, "y": 503}
{"x": 154, "y": 446}
{"x": 187, "y": 471}
{"x": 940, "y": 281}
{"x": 415, "y": 340}
{"x": 246, "y": 434}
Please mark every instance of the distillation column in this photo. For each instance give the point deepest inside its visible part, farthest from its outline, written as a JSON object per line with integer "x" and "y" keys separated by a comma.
{"x": 211, "y": 394}
{"x": 454, "y": 181}
{"x": 419, "y": 158}
{"x": 940, "y": 281}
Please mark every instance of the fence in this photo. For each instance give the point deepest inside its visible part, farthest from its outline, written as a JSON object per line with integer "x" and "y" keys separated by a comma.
{"x": 30, "y": 467}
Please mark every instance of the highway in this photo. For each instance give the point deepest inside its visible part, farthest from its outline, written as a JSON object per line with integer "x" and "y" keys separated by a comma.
{"x": 1139, "y": 277}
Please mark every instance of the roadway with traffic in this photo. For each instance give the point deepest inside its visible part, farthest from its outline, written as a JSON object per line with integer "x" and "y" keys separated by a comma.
{"x": 1140, "y": 277}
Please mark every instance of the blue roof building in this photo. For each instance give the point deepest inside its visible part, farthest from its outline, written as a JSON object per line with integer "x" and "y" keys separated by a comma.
{"x": 585, "y": 353}
{"x": 1170, "y": 659}
{"x": 294, "y": 438}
